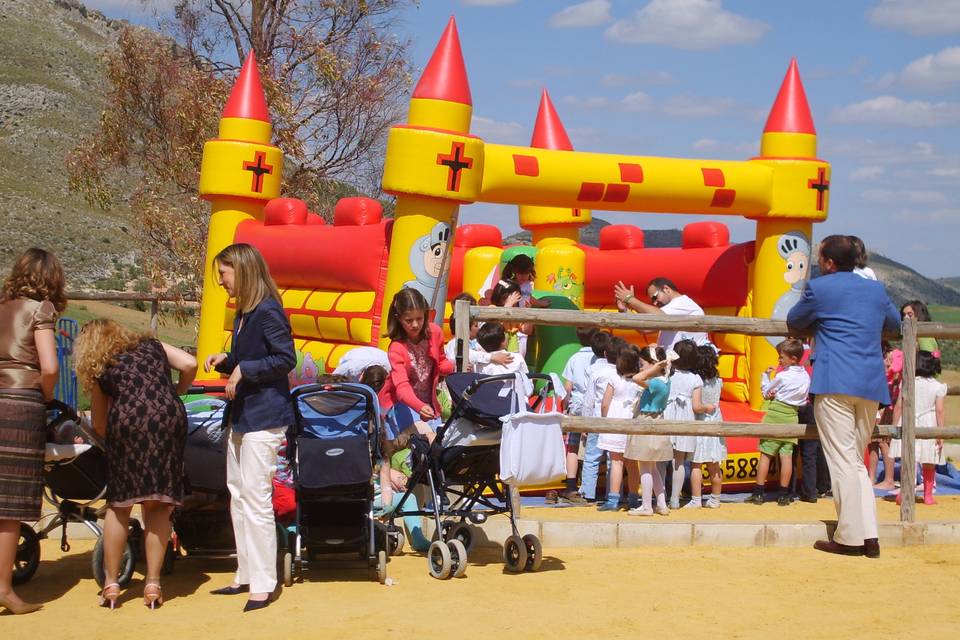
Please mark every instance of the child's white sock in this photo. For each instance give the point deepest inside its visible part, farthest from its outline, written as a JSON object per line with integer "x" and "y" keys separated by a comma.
{"x": 679, "y": 475}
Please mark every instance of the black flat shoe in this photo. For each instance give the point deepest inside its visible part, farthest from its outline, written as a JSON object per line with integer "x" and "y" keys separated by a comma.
{"x": 231, "y": 591}
{"x": 253, "y": 605}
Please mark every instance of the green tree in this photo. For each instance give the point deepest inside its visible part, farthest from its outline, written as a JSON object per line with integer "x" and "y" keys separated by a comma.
{"x": 336, "y": 79}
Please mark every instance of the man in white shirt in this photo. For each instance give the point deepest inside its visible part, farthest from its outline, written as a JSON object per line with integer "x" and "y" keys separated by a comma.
{"x": 664, "y": 298}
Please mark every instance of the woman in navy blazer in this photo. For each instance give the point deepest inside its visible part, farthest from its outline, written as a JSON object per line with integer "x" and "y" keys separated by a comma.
{"x": 260, "y": 358}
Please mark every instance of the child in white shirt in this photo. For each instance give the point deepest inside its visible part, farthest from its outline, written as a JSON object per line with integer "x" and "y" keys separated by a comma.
{"x": 786, "y": 393}
{"x": 493, "y": 339}
{"x": 478, "y": 356}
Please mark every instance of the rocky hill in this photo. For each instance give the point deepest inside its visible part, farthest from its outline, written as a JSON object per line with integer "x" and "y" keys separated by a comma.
{"x": 903, "y": 283}
{"x": 49, "y": 98}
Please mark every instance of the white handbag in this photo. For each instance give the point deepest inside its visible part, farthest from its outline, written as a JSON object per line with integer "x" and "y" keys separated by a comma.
{"x": 531, "y": 448}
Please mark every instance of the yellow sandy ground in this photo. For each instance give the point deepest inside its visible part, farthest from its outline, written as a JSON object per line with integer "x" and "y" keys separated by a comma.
{"x": 686, "y": 593}
{"x": 947, "y": 510}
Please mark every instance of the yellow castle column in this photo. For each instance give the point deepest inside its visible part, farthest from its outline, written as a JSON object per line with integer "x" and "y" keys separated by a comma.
{"x": 432, "y": 165}
{"x": 784, "y": 238}
{"x": 239, "y": 173}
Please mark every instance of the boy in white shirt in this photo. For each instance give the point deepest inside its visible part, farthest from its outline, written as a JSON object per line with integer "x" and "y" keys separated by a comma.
{"x": 493, "y": 339}
{"x": 786, "y": 392}
{"x": 478, "y": 356}
{"x": 575, "y": 377}
{"x": 607, "y": 349}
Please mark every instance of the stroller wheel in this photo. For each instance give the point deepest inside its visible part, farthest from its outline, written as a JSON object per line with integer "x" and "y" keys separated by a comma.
{"x": 382, "y": 567}
{"x": 458, "y": 556}
{"x": 287, "y": 569}
{"x": 27, "y": 560}
{"x": 514, "y": 554}
{"x": 534, "y": 552}
{"x": 445, "y": 528}
{"x": 396, "y": 540}
{"x": 439, "y": 560}
{"x": 127, "y": 563}
{"x": 462, "y": 532}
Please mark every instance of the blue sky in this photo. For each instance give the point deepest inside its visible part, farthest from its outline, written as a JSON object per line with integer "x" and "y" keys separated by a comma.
{"x": 696, "y": 78}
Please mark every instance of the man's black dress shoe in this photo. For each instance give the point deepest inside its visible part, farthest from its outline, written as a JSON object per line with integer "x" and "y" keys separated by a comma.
{"x": 253, "y": 605}
{"x": 842, "y": 549}
{"x": 871, "y": 547}
{"x": 231, "y": 590}
{"x": 811, "y": 499}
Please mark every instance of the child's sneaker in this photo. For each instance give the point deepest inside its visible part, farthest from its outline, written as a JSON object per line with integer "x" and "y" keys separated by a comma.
{"x": 756, "y": 497}
{"x": 571, "y": 497}
{"x": 608, "y": 506}
{"x": 661, "y": 511}
{"x": 551, "y": 497}
{"x": 695, "y": 503}
{"x": 675, "y": 504}
{"x": 640, "y": 511}
{"x": 712, "y": 503}
{"x": 784, "y": 500}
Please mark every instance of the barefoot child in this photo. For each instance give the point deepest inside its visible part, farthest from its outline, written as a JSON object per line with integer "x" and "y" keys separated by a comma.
{"x": 785, "y": 393}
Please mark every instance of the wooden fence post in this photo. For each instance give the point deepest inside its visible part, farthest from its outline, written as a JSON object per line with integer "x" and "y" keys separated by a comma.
{"x": 461, "y": 326}
{"x": 908, "y": 422}
{"x": 154, "y": 315}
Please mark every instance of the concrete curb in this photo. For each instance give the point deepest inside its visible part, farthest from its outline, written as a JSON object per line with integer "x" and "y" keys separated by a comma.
{"x": 685, "y": 534}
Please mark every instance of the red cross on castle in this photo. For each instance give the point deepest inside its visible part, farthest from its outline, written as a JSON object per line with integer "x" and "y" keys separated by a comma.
{"x": 456, "y": 162}
{"x": 259, "y": 168}
{"x": 822, "y": 185}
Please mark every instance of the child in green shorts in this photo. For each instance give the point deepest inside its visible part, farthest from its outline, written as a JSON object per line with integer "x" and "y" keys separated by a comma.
{"x": 785, "y": 392}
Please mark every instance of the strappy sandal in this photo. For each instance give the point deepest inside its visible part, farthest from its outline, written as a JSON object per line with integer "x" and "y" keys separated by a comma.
{"x": 152, "y": 594}
{"x": 109, "y": 595}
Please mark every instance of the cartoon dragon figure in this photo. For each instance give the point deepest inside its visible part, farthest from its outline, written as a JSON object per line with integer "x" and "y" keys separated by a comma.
{"x": 564, "y": 282}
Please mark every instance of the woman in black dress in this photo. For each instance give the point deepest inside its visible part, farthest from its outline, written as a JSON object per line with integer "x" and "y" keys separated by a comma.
{"x": 134, "y": 404}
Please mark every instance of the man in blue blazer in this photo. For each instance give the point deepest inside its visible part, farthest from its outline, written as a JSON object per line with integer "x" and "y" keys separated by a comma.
{"x": 848, "y": 314}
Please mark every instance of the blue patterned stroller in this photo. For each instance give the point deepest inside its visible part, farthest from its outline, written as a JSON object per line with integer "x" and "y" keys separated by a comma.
{"x": 332, "y": 449}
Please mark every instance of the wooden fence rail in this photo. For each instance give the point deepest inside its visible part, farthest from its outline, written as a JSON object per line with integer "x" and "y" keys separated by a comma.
{"x": 132, "y": 296}
{"x": 464, "y": 314}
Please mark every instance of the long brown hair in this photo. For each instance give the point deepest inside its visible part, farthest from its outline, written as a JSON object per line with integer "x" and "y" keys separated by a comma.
{"x": 405, "y": 300}
{"x": 98, "y": 345}
{"x": 252, "y": 279}
{"x": 38, "y": 275}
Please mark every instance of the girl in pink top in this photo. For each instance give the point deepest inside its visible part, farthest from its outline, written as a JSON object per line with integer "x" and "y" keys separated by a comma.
{"x": 417, "y": 360}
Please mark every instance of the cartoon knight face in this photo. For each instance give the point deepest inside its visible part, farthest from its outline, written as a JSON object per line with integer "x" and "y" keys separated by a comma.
{"x": 795, "y": 249}
{"x": 426, "y": 254}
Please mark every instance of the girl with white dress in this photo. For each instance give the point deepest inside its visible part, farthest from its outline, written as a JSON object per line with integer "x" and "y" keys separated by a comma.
{"x": 619, "y": 401}
{"x": 651, "y": 452}
{"x": 710, "y": 450}
{"x": 929, "y": 394}
{"x": 685, "y": 392}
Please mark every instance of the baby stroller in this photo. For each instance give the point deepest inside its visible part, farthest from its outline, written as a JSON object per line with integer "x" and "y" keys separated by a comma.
{"x": 202, "y": 525}
{"x": 463, "y": 463}
{"x": 332, "y": 448}
{"x": 74, "y": 478}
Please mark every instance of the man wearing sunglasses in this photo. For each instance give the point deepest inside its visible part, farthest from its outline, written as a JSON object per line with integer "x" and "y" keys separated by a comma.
{"x": 664, "y": 298}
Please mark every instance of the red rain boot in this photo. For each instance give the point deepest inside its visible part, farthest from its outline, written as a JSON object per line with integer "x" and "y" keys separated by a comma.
{"x": 929, "y": 471}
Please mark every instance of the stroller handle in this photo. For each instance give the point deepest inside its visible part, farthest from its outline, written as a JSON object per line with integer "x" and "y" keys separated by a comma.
{"x": 503, "y": 377}
{"x": 200, "y": 390}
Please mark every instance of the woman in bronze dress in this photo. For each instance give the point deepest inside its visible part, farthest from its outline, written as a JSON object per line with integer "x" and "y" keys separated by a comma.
{"x": 31, "y": 298}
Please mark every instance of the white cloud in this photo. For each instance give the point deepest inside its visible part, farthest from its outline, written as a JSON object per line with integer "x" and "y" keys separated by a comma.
{"x": 889, "y": 196}
{"x": 918, "y": 17}
{"x": 687, "y": 24}
{"x": 939, "y": 216}
{"x": 880, "y": 152}
{"x": 934, "y": 72}
{"x": 637, "y": 101}
{"x": 590, "y": 102}
{"x": 592, "y": 13}
{"x": 893, "y": 110}
{"x": 866, "y": 174}
{"x": 641, "y": 77}
{"x": 487, "y": 3}
{"x": 687, "y": 106}
{"x": 704, "y": 144}
{"x": 498, "y": 131}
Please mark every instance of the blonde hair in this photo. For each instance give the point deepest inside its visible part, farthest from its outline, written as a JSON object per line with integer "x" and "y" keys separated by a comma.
{"x": 38, "y": 275}
{"x": 252, "y": 281}
{"x": 98, "y": 345}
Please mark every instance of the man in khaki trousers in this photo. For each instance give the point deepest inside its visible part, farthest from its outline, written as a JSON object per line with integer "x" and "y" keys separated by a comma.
{"x": 848, "y": 314}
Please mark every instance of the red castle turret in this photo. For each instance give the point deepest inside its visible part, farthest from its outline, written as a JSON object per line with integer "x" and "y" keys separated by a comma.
{"x": 247, "y": 99}
{"x": 789, "y": 131}
{"x": 445, "y": 76}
